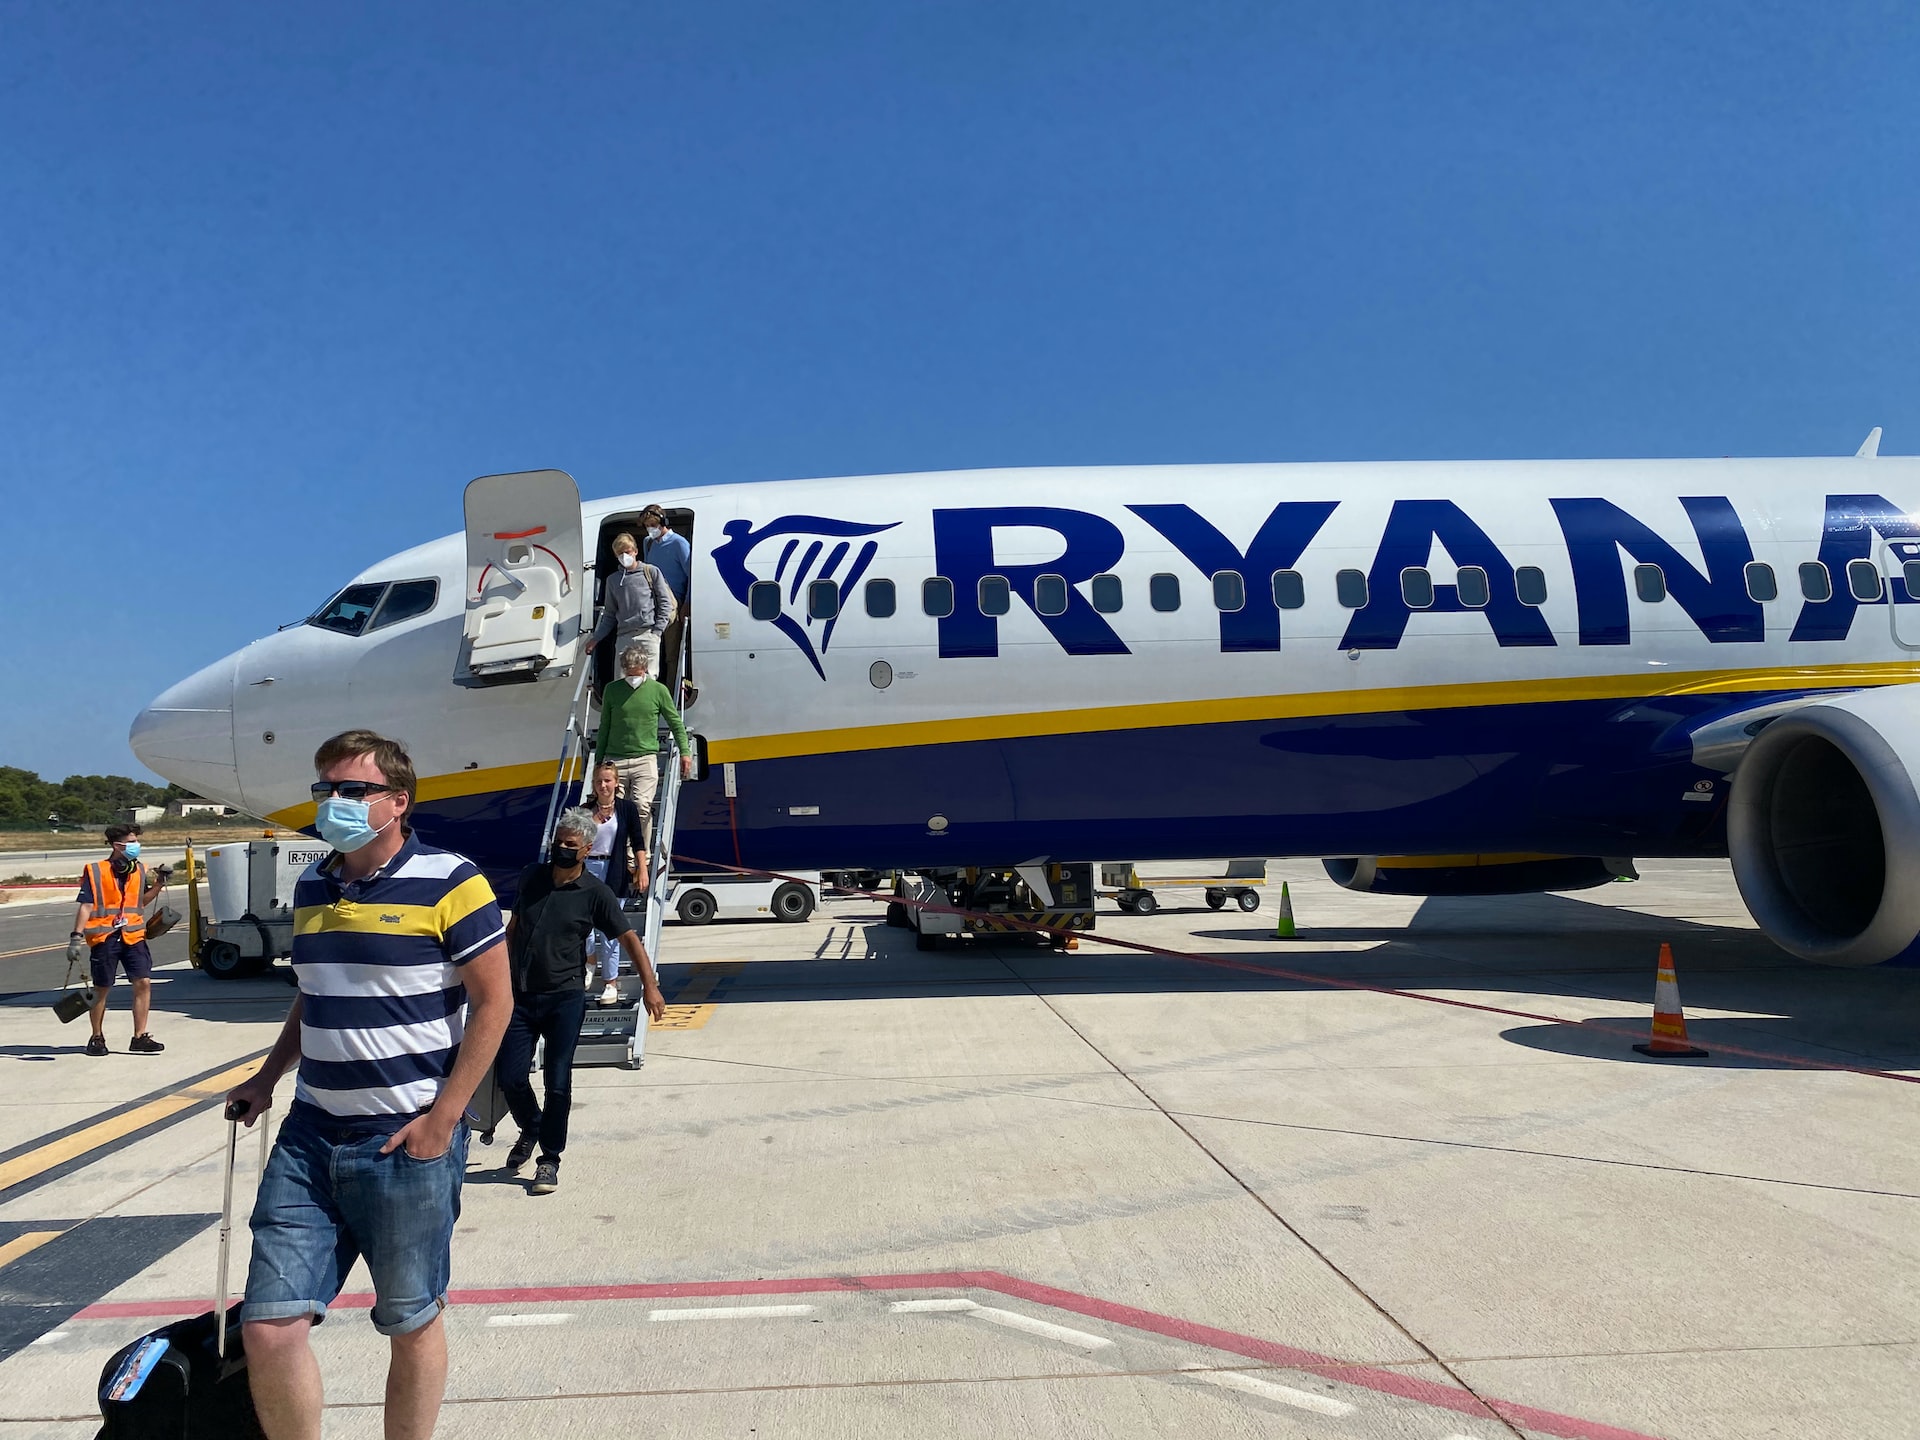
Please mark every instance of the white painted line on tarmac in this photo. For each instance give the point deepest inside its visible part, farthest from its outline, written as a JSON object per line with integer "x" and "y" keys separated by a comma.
{"x": 544, "y": 1318}
{"x": 1043, "y": 1328}
{"x": 1284, "y": 1394}
{"x": 931, "y": 1307}
{"x": 49, "y": 1337}
{"x": 733, "y": 1312}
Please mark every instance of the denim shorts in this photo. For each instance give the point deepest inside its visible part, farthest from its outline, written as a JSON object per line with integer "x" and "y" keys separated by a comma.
{"x": 330, "y": 1197}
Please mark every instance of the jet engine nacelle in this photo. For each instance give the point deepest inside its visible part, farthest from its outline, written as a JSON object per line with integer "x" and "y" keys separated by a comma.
{"x": 1475, "y": 874}
{"x": 1824, "y": 827}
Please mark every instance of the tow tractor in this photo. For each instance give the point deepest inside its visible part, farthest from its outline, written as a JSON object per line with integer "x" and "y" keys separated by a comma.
{"x": 1055, "y": 898}
{"x": 1133, "y": 892}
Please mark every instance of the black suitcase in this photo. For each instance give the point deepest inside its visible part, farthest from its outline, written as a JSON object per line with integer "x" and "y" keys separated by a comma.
{"x": 488, "y": 1107}
{"x": 187, "y": 1380}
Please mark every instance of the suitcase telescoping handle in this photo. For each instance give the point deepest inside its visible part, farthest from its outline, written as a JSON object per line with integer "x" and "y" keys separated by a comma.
{"x": 236, "y": 1112}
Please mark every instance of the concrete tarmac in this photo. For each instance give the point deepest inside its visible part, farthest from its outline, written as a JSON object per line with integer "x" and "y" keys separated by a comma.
{"x": 857, "y": 1190}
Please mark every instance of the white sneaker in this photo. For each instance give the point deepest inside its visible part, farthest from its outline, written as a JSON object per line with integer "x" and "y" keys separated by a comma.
{"x": 610, "y": 995}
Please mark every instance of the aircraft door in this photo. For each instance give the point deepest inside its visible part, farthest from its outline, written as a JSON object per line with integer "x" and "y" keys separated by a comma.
{"x": 1900, "y": 560}
{"x": 524, "y": 582}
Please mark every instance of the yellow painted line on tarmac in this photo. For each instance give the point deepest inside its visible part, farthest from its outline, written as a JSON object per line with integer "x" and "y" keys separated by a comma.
{"x": 30, "y": 950}
{"x": 691, "y": 1010}
{"x": 115, "y": 1127}
{"x": 26, "y": 1244}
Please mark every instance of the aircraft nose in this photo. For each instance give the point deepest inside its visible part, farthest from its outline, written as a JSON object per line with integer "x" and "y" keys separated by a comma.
{"x": 186, "y": 734}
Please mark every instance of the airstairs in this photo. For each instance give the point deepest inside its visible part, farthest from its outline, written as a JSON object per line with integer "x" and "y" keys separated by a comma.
{"x": 617, "y": 1034}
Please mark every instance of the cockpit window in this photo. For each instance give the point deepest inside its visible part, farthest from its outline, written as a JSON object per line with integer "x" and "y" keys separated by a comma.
{"x": 348, "y": 612}
{"x": 405, "y": 600}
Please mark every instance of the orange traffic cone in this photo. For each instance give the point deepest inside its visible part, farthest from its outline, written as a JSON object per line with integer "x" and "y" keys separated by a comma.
{"x": 1669, "y": 1041}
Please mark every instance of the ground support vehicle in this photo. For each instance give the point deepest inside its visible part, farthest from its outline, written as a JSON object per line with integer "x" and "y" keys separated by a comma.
{"x": 1133, "y": 892}
{"x": 248, "y": 920}
{"x": 1047, "y": 900}
{"x": 700, "y": 899}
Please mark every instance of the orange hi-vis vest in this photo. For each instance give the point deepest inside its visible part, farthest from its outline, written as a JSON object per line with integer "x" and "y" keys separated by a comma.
{"x": 116, "y": 906}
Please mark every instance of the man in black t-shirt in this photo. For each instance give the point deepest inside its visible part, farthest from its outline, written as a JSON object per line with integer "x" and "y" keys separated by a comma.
{"x": 558, "y": 904}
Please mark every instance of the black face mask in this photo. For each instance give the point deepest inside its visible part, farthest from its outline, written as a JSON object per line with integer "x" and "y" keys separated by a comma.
{"x": 564, "y": 856}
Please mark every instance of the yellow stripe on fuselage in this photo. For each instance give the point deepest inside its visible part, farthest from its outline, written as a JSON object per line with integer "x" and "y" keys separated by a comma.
{"x": 1146, "y": 716}
{"x": 1311, "y": 705}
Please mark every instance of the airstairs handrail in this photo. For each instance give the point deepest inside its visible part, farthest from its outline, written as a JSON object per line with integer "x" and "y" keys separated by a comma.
{"x": 666, "y": 803}
{"x": 573, "y": 743}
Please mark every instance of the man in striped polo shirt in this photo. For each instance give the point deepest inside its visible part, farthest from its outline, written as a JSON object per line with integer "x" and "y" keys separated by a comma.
{"x": 404, "y": 994}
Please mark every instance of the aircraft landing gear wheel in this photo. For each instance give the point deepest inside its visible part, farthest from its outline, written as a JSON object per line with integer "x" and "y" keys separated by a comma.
{"x": 696, "y": 907}
{"x": 1215, "y": 899}
{"x": 1144, "y": 903}
{"x": 1249, "y": 900}
{"x": 222, "y": 960}
{"x": 792, "y": 903}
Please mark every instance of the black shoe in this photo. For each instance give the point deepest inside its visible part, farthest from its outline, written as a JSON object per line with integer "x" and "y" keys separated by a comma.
{"x": 521, "y": 1152}
{"x": 145, "y": 1045}
{"x": 546, "y": 1178}
{"x": 97, "y": 1045}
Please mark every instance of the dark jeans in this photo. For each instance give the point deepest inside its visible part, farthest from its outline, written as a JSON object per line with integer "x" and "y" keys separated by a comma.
{"x": 555, "y": 1018}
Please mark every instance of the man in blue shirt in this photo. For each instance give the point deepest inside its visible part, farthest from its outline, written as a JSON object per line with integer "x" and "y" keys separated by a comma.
{"x": 672, "y": 556}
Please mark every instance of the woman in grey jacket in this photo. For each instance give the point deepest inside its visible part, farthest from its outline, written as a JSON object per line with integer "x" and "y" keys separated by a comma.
{"x": 636, "y": 606}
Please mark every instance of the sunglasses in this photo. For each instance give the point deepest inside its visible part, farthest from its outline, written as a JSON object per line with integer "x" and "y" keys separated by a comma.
{"x": 348, "y": 789}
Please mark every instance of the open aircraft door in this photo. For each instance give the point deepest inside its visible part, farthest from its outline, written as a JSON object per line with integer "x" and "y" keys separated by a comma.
{"x": 1900, "y": 560}
{"x": 525, "y": 588}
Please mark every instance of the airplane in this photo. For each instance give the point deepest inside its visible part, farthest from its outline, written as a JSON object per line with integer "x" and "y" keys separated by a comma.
{"x": 1449, "y": 677}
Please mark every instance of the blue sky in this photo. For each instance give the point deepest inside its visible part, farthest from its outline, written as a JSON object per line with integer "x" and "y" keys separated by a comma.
{"x": 279, "y": 281}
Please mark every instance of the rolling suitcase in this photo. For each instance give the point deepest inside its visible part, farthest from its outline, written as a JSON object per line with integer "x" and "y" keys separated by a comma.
{"x": 187, "y": 1380}
{"x": 488, "y": 1107}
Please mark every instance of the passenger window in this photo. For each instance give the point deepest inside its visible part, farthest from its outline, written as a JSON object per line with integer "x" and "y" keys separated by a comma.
{"x": 1050, "y": 595}
{"x": 1863, "y": 579}
{"x": 1163, "y": 593}
{"x": 1530, "y": 585}
{"x": 763, "y": 600}
{"x": 1107, "y": 594}
{"x": 1910, "y": 572}
{"x": 348, "y": 612}
{"x": 1650, "y": 583}
{"x": 996, "y": 596}
{"x": 1815, "y": 583}
{"x": 1470, "y": 585}
{"x": 1761, "y": 585}
{"x": 936, "y": 597}
{"x": 1229, "y": 590}
{"x": 881, "y": 600}
{"x": 823, "y": 600}
{"x": 1350, "y": 588}
{"x": 406, "y": 599}
{"x": 1289, "y": 590}
{"x": 1416, "y": 587}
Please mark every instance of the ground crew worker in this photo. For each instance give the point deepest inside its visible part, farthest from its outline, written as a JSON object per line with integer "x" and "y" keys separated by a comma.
{"x": 559, "y": 902}
{"x": 629, "y": 736}
{"x": 636, "y": 606}
{"x": 110, "y": 932}
{"x": 672, "y": 556}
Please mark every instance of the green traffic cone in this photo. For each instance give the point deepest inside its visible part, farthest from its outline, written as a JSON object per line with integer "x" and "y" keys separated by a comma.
{"x": 1283, "y": 922}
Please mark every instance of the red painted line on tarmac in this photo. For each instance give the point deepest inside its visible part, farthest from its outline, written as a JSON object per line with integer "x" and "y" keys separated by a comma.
{"x": 1370, "y": 1377}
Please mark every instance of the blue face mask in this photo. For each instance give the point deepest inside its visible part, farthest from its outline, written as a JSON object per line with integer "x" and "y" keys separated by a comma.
{"x": 343, "y": 823}
{"x": 133, "y": 849}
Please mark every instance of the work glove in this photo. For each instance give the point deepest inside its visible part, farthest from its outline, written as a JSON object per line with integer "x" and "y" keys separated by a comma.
{"x": 76, "y": 948}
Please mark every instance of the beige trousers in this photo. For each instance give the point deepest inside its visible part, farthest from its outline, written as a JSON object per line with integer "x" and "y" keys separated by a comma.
{"x": 639, "y": 774}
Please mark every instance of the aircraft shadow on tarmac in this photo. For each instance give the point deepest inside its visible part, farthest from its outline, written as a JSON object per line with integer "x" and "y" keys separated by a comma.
{"x": 1521, "y": 952}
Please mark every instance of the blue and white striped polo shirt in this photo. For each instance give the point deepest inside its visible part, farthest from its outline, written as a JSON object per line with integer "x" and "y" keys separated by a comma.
{"x": 382, "y": 1006}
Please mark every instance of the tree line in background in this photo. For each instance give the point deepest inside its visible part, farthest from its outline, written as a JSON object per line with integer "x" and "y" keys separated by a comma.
{"x": 26, "y": 800}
